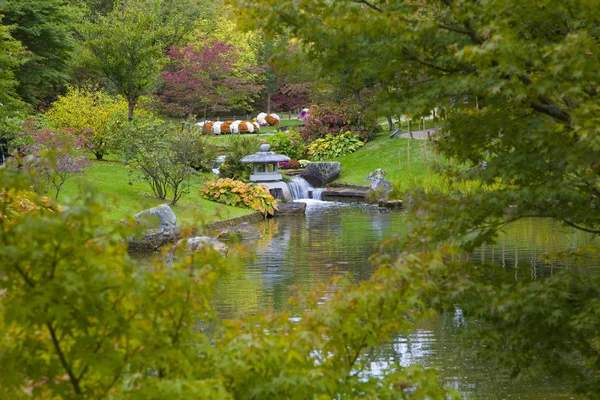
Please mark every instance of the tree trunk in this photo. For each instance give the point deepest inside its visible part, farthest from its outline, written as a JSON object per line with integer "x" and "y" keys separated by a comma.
{"x": 131, "y": 106}
{"x": 268, "y": 108}
{"x": 356, "y": 96}
{"x": 390, "y": 121}
{"x": 99, "y": 155}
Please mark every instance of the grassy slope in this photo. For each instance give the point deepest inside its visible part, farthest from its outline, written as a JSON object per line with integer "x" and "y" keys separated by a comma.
{"x": 391, "y": 155}
{"x": 111, "y": 177}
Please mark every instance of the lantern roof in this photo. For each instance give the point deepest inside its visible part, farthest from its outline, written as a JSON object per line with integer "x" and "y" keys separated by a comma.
{"x": 264, "y": 156}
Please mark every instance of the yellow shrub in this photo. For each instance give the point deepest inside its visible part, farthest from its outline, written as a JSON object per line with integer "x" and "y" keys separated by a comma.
{"x": 90, "y": 113}
{"x": 238, "y": 193}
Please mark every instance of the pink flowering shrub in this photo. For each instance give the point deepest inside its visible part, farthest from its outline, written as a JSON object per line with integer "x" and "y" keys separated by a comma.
{"x": 335, "y": 118}
{"x": 54, "y": 154}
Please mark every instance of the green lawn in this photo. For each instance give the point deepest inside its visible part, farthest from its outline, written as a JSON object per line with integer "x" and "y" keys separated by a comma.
{"x": 391, "y": 155}
{"x": 111, "y": 177}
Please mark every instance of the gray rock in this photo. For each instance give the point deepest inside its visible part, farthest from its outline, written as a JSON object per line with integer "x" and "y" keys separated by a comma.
{"x": 290, "y": 209}
{"x": 243, "y": 231}
{"x": 199, "y": 242}
{"x": 390, "y": 203}
{"x": 161, "y": 228}
{"x": 380, "y": 187}
{"x": 319, "y": 174}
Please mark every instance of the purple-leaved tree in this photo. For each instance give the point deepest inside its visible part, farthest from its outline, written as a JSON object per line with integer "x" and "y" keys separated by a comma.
{"x": 207, "y": 77}
{"x": 54, "y": 154}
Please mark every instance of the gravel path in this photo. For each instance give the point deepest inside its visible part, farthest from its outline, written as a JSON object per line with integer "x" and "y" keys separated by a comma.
{"x": 421, "y": 135}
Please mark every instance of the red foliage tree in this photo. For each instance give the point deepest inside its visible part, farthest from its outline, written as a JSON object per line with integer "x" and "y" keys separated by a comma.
{"x": 206, "y": 78}
{"x": 291, "y": 96}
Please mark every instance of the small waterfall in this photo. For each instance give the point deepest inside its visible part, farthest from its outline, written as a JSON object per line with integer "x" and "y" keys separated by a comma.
{"x": 316, "y": 193}
{"x": 301, "y": 189}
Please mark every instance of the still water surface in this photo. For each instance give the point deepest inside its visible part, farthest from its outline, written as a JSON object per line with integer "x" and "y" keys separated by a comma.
{"x": 298, "y": 252}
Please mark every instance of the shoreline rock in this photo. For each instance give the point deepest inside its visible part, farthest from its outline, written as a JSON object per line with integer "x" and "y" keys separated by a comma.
{"x": 197, "y": 243}
{"x": 161, "y": 228}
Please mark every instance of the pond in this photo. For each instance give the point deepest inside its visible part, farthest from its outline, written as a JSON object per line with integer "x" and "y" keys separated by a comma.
{"x": 299, "y": 252}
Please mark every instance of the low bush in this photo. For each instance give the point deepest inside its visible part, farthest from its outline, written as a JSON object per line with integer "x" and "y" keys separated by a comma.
{"x": 164, "y": 158}
{"x": 236, "y": 148}
{"x": 332, "y": 146}
{"x": 335, "y": 118}
{"x": 293, "y": 164}
{"x": 190, "y": 147}
{"x": 289, "y": 144}
{"x": 236, "y": 193}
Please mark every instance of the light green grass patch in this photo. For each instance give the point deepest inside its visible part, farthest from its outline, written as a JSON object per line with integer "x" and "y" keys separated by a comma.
{"x": 112, "y": 178}
{"x": 392, "y": 156}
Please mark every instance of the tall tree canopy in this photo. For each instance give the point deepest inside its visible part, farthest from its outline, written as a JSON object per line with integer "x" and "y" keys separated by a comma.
{"x": 46, "y": 29}
{"x": 127, "y": 46}
{"x": 9, "y": 62}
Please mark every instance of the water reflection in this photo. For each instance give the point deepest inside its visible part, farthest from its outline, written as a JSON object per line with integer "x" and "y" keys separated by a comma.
{"x": 299, "y": 252}
{"x": 534, "y": 248}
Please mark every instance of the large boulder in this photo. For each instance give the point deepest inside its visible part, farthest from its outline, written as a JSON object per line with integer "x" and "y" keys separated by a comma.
{"x": 199, "y": 242}
{"x": 319, "y": 174}
{"x": 160, "y": 228}
{"x": 380, "y": 187}
{"x": 243, "y": 231}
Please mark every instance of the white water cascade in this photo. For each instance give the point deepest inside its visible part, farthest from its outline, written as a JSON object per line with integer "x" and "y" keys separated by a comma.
{"x": 301, "y": 189}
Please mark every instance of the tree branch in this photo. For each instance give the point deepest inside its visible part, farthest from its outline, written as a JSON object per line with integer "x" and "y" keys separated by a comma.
{"x": 552, "y": 111}
{"x": 581, "y": 228}
{"x": 63, "y": 360}
{"x": 454, "y": 29}
{"x": 372, "y": 6}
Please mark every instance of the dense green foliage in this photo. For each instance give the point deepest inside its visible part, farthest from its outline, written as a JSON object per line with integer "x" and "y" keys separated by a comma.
{"x": 332, "y": 146}
{"x": 236, "y": 148}
{"x": 9, "y": 62}
{"x": 288, "y": 143}
{"x": 516, "y": 84}
{"x": 127, "y": 47}
{"x": 77, "y": 318}
{"x": 46, "y": 29}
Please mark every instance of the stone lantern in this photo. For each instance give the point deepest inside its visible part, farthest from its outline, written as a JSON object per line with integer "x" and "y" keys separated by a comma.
{"x": 266, "y": 172}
